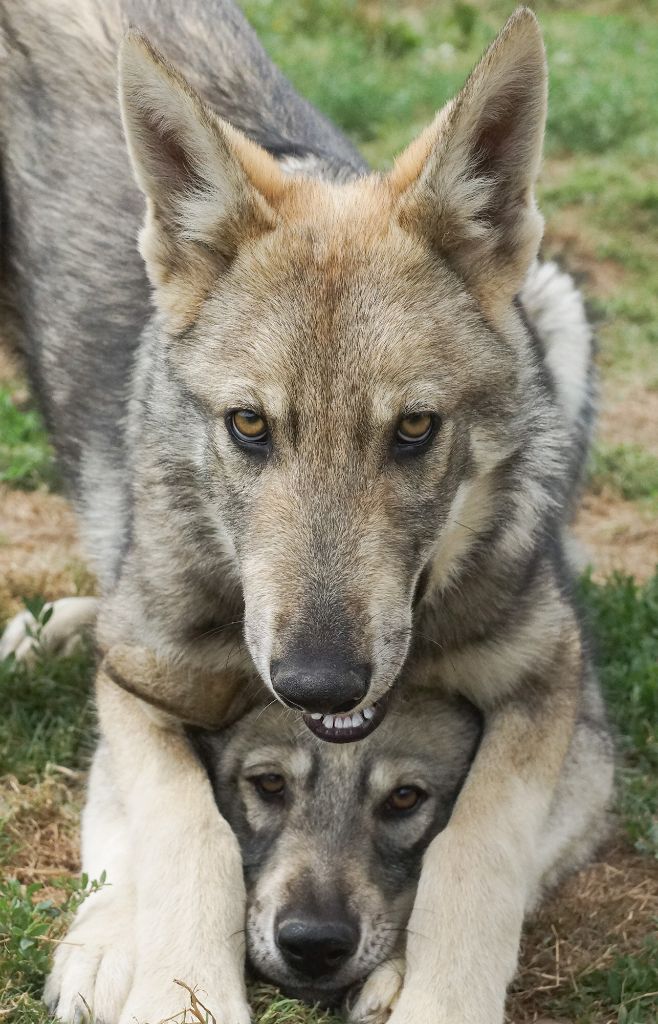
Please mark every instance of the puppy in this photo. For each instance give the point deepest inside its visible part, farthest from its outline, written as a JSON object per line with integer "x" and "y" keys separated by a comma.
{"x": 333, "y": 835}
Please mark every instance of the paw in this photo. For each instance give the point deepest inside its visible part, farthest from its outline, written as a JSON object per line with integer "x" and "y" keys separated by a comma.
{"x": 93, "y": 966}
{"x": 161, "y": 998}
{"x": 70, "y": 618}
{"x": 376, "y": 1000}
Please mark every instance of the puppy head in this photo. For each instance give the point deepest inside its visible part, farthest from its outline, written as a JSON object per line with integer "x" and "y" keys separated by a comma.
{"x": 333, "y": 836}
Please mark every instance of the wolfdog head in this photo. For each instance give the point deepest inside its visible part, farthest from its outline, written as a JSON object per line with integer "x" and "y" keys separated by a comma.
{"x": 332, "y": 837}
{"x": 356, "y": 354}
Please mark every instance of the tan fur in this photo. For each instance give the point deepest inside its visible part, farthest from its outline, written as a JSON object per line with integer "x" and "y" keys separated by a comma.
{"x": 212, "y": 700}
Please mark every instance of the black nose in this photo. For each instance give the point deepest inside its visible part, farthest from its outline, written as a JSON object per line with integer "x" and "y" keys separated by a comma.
{"x": 328, "y": 685}
{"x": 316, "y": 948}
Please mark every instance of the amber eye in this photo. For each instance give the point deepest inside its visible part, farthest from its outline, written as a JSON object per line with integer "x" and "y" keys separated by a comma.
{"x": 248, "y": 427}
{"x": 404, "y": 799}
{"x": 415, "y": 429}
{"x": 270, "y": 785}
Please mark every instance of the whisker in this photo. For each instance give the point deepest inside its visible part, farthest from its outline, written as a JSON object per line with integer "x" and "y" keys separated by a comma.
{"x": 263, "y": 710}
{"x": 215, "y": 630}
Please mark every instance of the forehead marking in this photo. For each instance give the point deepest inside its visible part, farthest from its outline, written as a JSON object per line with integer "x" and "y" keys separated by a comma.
{"x": 295, "y": 760}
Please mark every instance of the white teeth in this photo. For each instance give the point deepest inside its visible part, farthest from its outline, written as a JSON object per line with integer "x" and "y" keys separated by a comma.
{"x": 316, "y": 716}
{"x": 368, "y": 713}
{"x": 340, "y": 723}
{"x": 328, "y": 721}
{"x": 357, "y": 721}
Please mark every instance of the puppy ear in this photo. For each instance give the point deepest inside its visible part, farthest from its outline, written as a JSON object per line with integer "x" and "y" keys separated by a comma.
{"x": 208, "y": 187}
{"x": 467, "y": 183}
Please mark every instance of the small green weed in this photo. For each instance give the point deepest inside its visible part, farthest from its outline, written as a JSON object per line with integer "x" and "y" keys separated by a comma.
{"x": 629, "y": 985}
{"x": 30, "y": 921}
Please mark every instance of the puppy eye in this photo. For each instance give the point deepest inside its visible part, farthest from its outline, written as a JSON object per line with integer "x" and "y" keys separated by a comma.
{"x": 415, "y": 430}
{"x": 404, "y": 800}
{"x": 269, "y": 786}
{"x": 248, "y": 427}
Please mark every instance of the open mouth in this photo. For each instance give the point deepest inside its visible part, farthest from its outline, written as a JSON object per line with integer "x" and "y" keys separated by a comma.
{"x": 349, "y": 727}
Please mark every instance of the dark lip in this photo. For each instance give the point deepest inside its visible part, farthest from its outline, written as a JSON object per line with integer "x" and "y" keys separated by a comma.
{"x": 352, "y": 734}
{"x": 329, "y": 998}
{"x": 327, "y": 995}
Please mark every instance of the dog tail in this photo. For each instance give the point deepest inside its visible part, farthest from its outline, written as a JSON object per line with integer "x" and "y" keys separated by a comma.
{"x": 556, "y": 310}
{"x": 556, "y": 313}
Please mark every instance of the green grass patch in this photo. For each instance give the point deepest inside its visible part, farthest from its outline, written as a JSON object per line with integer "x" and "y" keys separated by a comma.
{"x": 603, "y": 76}
{"x": 47, "y": 714}
{"x": 270, "y": 1007}
{"x": 629, "y": 985}
{"x": 381, "y": 70}
{"x": 30, "y": 920}
{"x": 26, "y": 458}
{"x": 608, "y": 205}
{"x": 629, "y": 471}
{"x": 624, "y": 621}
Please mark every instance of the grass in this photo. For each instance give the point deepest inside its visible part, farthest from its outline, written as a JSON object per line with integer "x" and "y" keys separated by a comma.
{"x": 32, "y": 917}
{"x": 624, "y": 623}
{"x": 26, "y": 458}
{"x": 46, "y": 713}
{"x": 628, "y": 985}
{"x": 628, "y": 471}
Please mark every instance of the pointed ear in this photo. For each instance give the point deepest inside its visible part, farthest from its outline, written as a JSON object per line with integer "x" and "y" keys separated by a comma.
{"x": 208, "y": 188}
{"x": 467, "y": 184}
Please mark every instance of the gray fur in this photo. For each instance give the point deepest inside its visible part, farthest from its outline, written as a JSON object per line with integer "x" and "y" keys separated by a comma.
{"x": 334, "y": 304}
{"x": 328, "y": 846}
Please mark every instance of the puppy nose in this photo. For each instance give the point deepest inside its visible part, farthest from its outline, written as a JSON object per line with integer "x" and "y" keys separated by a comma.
{"x": 316, "y": 948}
{"x": 327, "y": 685}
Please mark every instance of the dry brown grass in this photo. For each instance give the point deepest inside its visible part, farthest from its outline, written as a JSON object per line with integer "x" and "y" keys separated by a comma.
{"x": 41, "y": 825}
{"x": 617, "y": 535}
{"x": 629, "y": 415}
{"x": 39, "y": 549}
{"x": 605, "y": 911}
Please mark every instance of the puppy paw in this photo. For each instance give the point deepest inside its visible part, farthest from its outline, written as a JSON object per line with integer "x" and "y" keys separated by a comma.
{"x": 92, "y": 969}
{"x": 68, "y": 619}
{"x": 162, "y": 998}
{"x": 376, "y": 1000}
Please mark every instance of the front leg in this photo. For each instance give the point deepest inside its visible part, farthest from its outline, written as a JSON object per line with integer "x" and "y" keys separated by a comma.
{"x": 190, "y": 899}
{"x": 480, "y": 872}
{"x": 92, "y": 968}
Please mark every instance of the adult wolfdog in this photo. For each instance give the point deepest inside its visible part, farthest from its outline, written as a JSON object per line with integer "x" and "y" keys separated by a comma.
{"x": 352, "y": 431}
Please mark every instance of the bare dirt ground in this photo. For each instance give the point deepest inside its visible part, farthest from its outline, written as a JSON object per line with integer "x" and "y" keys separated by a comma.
{"x": 617, "y": 535}
{"x": 39, "y": 550}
